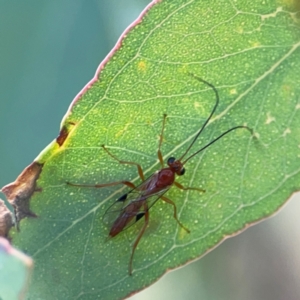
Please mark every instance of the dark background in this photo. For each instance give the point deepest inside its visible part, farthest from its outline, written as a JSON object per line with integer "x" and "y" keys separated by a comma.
{"x": 49, "y": 51}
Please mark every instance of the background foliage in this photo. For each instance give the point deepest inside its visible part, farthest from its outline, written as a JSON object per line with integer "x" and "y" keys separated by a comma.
{"x": 15, "y": 271}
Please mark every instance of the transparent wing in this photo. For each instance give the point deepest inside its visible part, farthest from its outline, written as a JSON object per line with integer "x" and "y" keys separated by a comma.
{"x": 136, "y": 196}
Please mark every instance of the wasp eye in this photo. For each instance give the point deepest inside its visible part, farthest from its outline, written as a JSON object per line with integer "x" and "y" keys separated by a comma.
{"x": 182, "y": 171}
{"x": 171, "y": 160}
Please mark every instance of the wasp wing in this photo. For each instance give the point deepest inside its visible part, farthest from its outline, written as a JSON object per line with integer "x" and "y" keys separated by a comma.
{"x": 137, "y": 196}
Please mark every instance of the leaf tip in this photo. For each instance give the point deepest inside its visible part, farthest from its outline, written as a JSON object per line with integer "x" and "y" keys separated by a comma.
{"x": 6, "y": 220}
{"x": 19, "y": 192}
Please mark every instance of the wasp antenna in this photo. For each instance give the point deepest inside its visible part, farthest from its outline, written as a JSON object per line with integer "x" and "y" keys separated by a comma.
{"x": 219, "y": 137}
{"x": 209, "y": 117}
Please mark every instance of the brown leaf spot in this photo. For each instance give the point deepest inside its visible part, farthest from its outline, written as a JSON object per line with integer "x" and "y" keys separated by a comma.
{"x": 6, "y": 220}
{"x": 19, "y": 192}
{"x": 63, "y": 134}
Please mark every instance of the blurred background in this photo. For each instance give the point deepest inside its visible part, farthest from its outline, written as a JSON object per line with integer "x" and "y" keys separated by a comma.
{"x": 49, "y": 51}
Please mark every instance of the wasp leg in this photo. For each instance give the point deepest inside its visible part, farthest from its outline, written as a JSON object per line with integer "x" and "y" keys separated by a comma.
{"x": 128, "y": 183}
{"x": 160, "y": 157}
{"x": 167, "y": 200}
{"x": 180, "y": 186}
{"x": 139, "y": 237}
{"x": 140, "y": 170}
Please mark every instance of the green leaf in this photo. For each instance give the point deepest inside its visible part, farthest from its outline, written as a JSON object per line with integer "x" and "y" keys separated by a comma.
{"x": 250, "y": 52}
{"x": 15, "y": 269}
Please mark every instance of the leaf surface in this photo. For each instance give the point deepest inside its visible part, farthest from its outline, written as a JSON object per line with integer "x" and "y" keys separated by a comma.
{"x": 250, "y": 53}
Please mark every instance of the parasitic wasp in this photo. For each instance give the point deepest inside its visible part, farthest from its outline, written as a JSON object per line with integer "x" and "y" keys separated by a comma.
{"x": 135, "y": 204}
